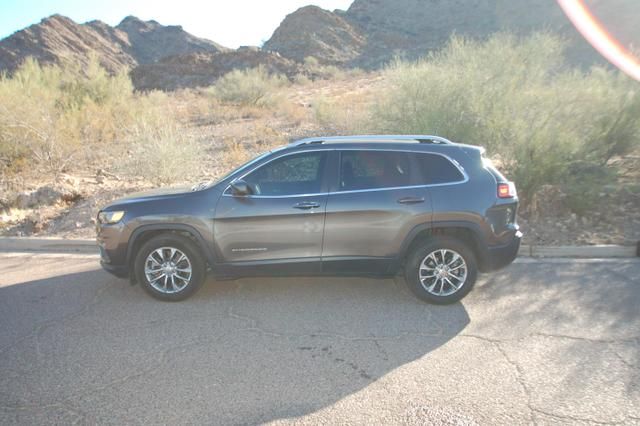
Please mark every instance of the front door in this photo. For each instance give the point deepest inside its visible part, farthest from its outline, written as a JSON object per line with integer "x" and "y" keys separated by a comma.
{"x": 281, "y": 222}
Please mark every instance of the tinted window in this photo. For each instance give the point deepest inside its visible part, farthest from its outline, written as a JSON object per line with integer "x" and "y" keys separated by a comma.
{"x": 289, "y": 175}
{"x": 373, "y": 169}
{"x": 488, "y": 164}
{"x": 437, "y": 169}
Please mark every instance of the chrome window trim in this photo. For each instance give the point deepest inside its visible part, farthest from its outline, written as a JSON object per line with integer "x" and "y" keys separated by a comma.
{"x": 350, "y": 191}
{"x": 282, "y": 196}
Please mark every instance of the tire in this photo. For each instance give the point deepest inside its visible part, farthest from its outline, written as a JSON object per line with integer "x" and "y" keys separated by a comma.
{"x": 167, "y": 276}
{"x": 459, "y": 275}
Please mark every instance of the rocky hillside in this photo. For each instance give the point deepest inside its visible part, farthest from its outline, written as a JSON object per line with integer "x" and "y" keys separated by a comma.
{"x": 368, "y": 34}
{"x": 327, "y": 35}
{"x": 371, "y": 32}
{"x": 203, "y": 69}
{"x": 151, "y": 41}
{"x": 58, "y": 39}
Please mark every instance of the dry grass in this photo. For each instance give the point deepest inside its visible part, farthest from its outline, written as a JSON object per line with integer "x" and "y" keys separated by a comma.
{"x": 347, "y": 114}
{"x": 235, "y": 153}
{"x": 294, "y": 114}
{"x": 162, "y": 154}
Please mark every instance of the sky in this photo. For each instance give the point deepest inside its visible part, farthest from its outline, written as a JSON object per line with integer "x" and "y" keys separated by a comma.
{"x": 231, "y": 23}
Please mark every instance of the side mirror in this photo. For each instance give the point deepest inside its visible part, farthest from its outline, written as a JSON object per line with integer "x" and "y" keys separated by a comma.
{"x": 240, "y": 188}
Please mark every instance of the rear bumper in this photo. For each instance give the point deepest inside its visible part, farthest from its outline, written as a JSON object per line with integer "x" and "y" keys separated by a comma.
{"x": 500, "y": 256}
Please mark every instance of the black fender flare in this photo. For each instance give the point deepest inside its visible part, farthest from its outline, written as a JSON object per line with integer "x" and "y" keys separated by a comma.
{"x": 135, "y": 234}
{"x": 474, "y": 228}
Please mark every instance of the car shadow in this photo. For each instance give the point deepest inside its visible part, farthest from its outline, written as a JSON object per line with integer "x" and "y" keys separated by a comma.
{"x": 242, "y": 352}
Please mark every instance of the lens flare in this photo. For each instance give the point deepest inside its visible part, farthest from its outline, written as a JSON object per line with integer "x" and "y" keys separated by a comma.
{"x": 596, "y": 34}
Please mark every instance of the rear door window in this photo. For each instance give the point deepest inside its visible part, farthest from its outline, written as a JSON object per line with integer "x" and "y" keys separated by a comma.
{"x": 360, "y": 170}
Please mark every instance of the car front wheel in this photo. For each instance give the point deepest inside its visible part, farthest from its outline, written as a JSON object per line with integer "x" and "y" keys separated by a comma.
{"x": 170, "y": 267}
{"x": 441, "y": 271}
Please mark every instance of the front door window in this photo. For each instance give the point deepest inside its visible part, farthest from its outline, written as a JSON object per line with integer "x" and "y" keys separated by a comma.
{"x": 296, "y": 174}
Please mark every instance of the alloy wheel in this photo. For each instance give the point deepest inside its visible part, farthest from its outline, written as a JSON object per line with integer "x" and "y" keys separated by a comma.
{"x": 442, "y": 272}
{"x": 168, "y": 270}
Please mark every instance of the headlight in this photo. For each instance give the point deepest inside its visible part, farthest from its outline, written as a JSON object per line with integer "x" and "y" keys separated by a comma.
{"x": 110, "y": 217}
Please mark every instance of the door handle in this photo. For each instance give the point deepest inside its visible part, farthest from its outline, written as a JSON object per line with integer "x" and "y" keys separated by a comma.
{"x": 306, "y": 205}
{"x": 411, "y": 200}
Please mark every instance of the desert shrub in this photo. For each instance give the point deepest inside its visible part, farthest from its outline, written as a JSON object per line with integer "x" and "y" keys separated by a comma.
{"x": 253, "y": 86}
{"x": 56, "y": 118}
{"x": 161, "y": 152}
{"x": 311, "y": 63}
{"x": 50, "y": 115}
{"x": 613, "y": 128}
{"x": 35, "y": 130}
{"x": 301, "y": 79}
{"x": 93, "y": 84}
{"x": 517, "y": 98}
{"x": 332, "y": 115}
{"x": 196, "y": 107}
{"x": 317, "y": 71}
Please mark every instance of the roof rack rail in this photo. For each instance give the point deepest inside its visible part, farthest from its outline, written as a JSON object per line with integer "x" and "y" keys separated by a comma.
{"x": 373, "y": 138}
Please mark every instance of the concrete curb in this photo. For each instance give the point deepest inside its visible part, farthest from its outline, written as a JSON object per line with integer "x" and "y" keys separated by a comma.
{"x": 50, "y": 245}
{"x": 596, "y": 251}
{"x": 61, "y": 245}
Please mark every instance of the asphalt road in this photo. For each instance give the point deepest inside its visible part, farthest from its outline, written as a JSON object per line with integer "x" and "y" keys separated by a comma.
{"x": 539, "y": 342}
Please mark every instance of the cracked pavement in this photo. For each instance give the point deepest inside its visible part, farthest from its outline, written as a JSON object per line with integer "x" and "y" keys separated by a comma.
{"x": 541, "y": 342}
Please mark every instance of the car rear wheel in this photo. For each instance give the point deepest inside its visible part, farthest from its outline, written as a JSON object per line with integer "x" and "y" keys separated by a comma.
{"x": 441, "y": 271}
{"x": 170, "y": 267}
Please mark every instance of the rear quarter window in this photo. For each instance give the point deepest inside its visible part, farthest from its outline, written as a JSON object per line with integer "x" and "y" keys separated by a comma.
{"x": 491, "y": 168}
{"x": 436, "y": 169}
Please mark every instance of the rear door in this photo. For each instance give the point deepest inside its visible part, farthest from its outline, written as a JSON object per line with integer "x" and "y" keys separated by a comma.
{"x": 372, "y": 208}
{"x": 282, "y": 222}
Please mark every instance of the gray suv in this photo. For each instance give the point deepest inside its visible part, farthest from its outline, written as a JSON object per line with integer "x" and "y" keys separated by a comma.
{"x": 349, "y": 205}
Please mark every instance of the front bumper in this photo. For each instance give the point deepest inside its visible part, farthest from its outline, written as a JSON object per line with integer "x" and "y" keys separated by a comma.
{"x": 112, "y": 249}
{"x": 119, "y": 271}
{"x": 500, "y": 256}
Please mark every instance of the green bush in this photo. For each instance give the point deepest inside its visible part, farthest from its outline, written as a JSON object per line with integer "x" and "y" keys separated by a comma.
{"x": 54, "y": 118}
{"x": 253, "y": 86}
{"x": 94, "y": 84}
{"x": 517, "y": 98}
{"x": 50, "y": 116}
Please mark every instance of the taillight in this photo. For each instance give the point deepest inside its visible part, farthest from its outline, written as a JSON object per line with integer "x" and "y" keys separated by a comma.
{"x": 506, "y": 190}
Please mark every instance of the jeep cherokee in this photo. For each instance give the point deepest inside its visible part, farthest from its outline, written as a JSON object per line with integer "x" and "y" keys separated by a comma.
{"x": 349, "y": 205}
